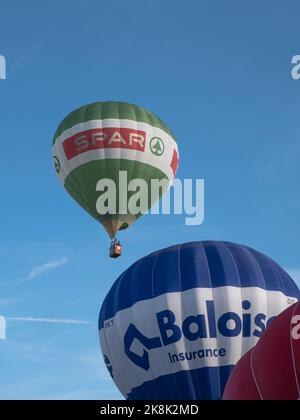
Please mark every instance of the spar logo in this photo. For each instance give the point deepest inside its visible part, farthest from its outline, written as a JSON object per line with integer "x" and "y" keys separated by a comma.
{"x": 296, "y": 327}
{"x": 157, "y": 146}
{"x": 104, "y": 138}
{"x": 56, "y": 163}
{"x": 193, "y": 328}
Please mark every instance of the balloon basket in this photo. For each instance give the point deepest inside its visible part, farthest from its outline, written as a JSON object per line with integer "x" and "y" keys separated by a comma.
{"x": 115, "y": 250}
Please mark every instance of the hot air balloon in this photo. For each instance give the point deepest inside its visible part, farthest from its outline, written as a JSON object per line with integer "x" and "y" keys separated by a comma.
{"x": 175, "y": 323}
{"x": 271, "y": 370}
{"x": 104, "y": 140}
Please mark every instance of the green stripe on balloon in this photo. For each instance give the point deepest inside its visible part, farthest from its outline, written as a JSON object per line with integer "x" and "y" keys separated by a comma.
{"x": 81, "y": 185}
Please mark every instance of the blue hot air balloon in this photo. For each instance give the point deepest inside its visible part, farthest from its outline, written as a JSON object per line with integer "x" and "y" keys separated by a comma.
{"x": 177, "y": 321}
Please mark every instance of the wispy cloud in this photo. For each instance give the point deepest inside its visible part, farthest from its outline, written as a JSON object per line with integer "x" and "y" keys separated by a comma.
{"x": 270, "y": 169}
{"x": 53, "y": 27}
{"x": 4, "y": 303}
{"x": 242, "y": 64}
{"x": 51, "y": 320}
{"x": 38, "y": 271}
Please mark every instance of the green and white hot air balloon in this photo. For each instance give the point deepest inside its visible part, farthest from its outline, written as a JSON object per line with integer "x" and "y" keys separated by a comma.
{"x": 104, "y": 140}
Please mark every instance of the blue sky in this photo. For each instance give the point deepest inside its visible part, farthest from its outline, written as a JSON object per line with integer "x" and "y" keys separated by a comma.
{"x": 219, "y": 74}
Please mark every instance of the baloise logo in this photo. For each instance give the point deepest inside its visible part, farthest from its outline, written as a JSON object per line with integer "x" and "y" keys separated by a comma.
{"x": 108, "y": 365}
{"x": 195, "y": 327}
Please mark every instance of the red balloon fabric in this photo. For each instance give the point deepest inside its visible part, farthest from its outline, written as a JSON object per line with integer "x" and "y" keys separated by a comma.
{"x": 271, "y": 370}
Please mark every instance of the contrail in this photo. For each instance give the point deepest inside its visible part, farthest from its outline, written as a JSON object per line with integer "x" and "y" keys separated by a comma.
{"x": 50, "y": 320}
{"x": 38, "y": 271}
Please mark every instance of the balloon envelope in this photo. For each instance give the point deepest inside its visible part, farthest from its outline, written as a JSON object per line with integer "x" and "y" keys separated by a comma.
{"x": 271, "y": 370}
{"x": 176, "y": 322}
{"x": 99, "y": 141}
